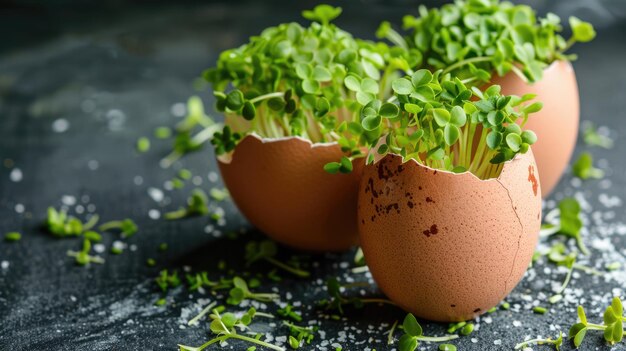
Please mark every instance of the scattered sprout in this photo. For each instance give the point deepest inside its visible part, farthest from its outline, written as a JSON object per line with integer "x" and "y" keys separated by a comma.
{"x": 218, "y": 194}
{"x": 197, "y": 205}
{"x": 540, "y": 310}
{"x": 300, "y": 335}
{"x": 558, "y": 342}
{"x": 127, "y": 227}
{"x": 240, "y": 292}
{"x": 167, "y": 280}
{"x": 267, "y": 250}
{"x": 12, "y": 236}
{"x": 143, "y": 145}
{"x": 569, "y": 225}
{"x": 61, "y": 225}
{"x": 162, "y": 133}
{"x": 591, "y": 137}
{"x": 413, "y": 335}
{"x": 612, "y": 326}
{"x": 583, "y": 168}
{"x": 82, "y": 257}
{"x": 337, "y": 300}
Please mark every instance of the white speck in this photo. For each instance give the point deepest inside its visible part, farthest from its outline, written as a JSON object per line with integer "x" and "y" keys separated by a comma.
{"x": 79, "y": 209}
{"x": 133, "y": 247}
{"x": 119, "y": 245}
{"x": 88, "y": 106}
{"x": 4, "y": 264}
{"x": 68, "y": 200}
{"x": 154, "y": 214}
{"x": 93, "y": 165}
{"x": 99, "y": 248}
{"x": 178, "y": 109}
{"x": 208, "y": 228}
{"x": 19, "y": 208}
{"x": 168, "y": 185}
{"x": 85, "y": 198}
{"x": 474, "y": 340}
{"x": 497, "y": 342}
{"x": 488, "y": 320}
{"x": 16, "y": 175}
{"x": 155, "y": 194}
{"x": 73, "y": 298}
{"x": 213, "y": 177}
{"x": 517, "y": 323}
{"x": 116, "y": 119}
{"x": 60, "y": 125}
{"x": 196, "y": 180}
{"x": 138, "y": 180}
{"x": 91, "y": 208}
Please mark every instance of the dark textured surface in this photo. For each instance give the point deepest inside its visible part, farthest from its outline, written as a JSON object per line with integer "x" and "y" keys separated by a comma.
{"x": 141, "y": 61}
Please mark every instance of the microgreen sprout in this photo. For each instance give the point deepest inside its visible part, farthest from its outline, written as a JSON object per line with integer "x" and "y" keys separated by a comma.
{"x": 12, "y": 236}
{"x": 202, "y": 313}
{"x": 413, "y": 334}
{"x": 224, "y": 327}
{"x": 167, "y": 280}
{"x": 240, "y": 292}
{"x": 439, "y": 122}
{"x": 558, "y": 342}
{"x": 162, "y": 133}
{"x": 472, "y": 39}
{"x": 143, "y": 145}
{"x": 266, "y": 250}
{"x": 583, "y": 168}
{"x": 186, "y": 142}
{"x": 219, "y": 194}
{"x": 570, "y": 223}
{"x": 592, "y": 137}
{"x": 303, "y": 81}
{"x": 82, "y": 257}
{"x": 126, "y": 226}
{"x": 299, "y": 335}
{"x": 197, "y": 205}
{"x": 288, "y": 312}
{"x": 60, "y": 224}
{"x": 612, "y": 326}
{"x": 447, "y": 347}
{"x": 337, "y": 300}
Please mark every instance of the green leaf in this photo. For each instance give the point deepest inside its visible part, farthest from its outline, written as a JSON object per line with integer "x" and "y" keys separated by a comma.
{"x": 353, "y": 83}
{"x": 458, "y": 116}
{"x": 235, "y": 100}
{"x": 534, "y": 107}
{"x": 322, "y": 13}
{"x": 389, "y": 110}
{"x": 304, "y": 70}
{"x": 412, "y": 108}
{"x": 411, "y": 327}
{"x": 421, "y": 77}
{"x": 529, "y": 137}
{"x": 581, "y": 31}
{"x": 402, "y": 86}
{"x": 310, "y": 86}
{"x": 371, "y": 123}
{"x": 451, "y": 134}
{"x": 494, "y": 139}
{"x": 616, "y": 304}
{"x": 332, "y": 167}
{"x": 346, "y": 165}
{"x": 583, "y": 168}
{"x": 217, "y": 327}
{"x": 442, "y": 116}
{"x": 407, "y": 343}
{"x": 369, "y": 85}
{"x": 580, "y": 336}
{"x": 322, "y": 74}
{"x": 514, "y": 141}
{"x": 249, "y": 111}
{"x": 229, "y": 320}
{"x": 581, "y": 315}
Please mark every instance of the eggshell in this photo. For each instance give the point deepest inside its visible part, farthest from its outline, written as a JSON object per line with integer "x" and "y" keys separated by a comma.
{"x": 281, "y": 187}
{"x": 556, "y": 125}
{"x": 445, "y": 246}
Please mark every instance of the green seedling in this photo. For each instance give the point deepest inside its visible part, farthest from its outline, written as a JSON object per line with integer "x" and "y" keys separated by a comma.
{"x": 61, "y": 225}
{"x": 569, "y": 225}
{"x": 413, "y": 334}
{"x": 240, "y": 292}
{"x": 82, "y": 257}
{"x": 197, "y": 205}
{"x": 612, "y": 326}
{"x": 337, "y": 301}
{"x": 558, "y": 342}
{"x": 126, "y": 226}
{"x": 583, "y": 168}
{"x": 266, "y": 250}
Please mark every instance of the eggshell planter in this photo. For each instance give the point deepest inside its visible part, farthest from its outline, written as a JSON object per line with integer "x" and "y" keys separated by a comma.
{"x": 282, "y": 189}
{"x": 556, "y": 125}
{"x": 444, "y": 246}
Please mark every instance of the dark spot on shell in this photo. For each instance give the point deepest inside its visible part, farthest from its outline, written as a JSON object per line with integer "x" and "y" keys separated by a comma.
{"x": 435, "y": 172}
{"x": 532, "y": 179}
{"x": 393, "y": 206}
{"x": 373, "y": 218}
{"x": 453, "y": 306}
{"x": 429, "y": 199}
{"x": 419, "y": 187}
{"x": 362, "y": 221}
{"x": 431, "y": 231}
{"x": 410, "y": 204}
{"x": 477, "y": 310}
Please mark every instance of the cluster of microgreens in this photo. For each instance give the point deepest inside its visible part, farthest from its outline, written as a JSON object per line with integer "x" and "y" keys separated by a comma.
{"x": 289, "y": 81}
{"x": 62, "y": 225}
{"x": 435, "y": 119}
{"x": 613, "y": 324}
{"x": 472, "y": 39}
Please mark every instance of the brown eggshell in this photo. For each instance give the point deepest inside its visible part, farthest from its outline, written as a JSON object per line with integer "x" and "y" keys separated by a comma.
{"x": 445, "y": 246}
{"x": 556, "y": 125}
{"x": 281, "y": 187}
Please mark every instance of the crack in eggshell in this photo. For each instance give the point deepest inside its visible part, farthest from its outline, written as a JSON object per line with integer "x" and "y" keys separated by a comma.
{"x": 519, "y": 238}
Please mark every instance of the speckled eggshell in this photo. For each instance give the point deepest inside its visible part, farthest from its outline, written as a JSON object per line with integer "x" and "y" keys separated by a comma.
{"x": 282, "y": 189}
{"x": 445, "y": 246}
{"x": 556, "y": 125}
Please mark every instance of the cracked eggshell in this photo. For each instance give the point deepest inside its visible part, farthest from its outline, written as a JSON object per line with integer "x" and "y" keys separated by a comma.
{"x": 280, "y": 186}
{"x": 444, "y": 246}
{"x": 556, "y": 125}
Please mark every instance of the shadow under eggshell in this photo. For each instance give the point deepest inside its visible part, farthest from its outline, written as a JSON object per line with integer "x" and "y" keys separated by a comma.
{"x": 280, "y": 186}
{"x": 556, "y": 125}
{"x": 445, "y": 246}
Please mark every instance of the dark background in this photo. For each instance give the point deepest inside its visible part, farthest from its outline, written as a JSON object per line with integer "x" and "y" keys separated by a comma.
{"x": 115, "y": 70}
